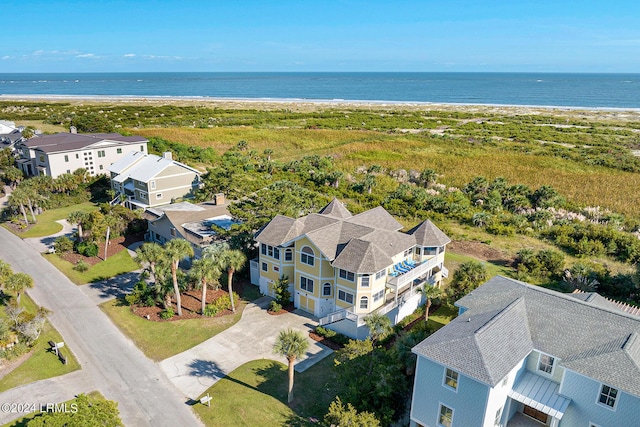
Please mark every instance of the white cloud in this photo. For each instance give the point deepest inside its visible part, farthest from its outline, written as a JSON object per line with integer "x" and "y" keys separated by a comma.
{"x": 6, "y": 57}
{"x": 129, "y": 55}
{"x": 86, "y": 55}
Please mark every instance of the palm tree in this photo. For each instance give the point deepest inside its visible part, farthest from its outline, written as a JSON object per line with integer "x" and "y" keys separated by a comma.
{"x": 291, "y": 344}
{"x": 379, "y": 326}
{"x": 176, "y": 250}
{"x": 205, "y": 272}
{"x": 430, "y": 293}
{"x": 150, "y": 253}
{"x": 78, "y": 218}
{"x": 19, "y": 197}
{"x": 13, "y": 175}
{"x": 5, "y": 273}
{"x": 233, "y": 260}
{"x": 18, "y": 282}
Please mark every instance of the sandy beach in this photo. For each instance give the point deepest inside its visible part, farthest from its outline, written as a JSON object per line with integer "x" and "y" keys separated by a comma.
{"x": 301, "y": 105}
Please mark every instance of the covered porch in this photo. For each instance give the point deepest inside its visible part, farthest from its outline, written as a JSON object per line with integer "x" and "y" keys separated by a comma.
{"x": 540, "y": 400}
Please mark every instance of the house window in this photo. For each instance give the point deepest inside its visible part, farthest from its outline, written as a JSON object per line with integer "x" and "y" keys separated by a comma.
{"x": 326, "y": 289}
{"x": 378, "y": 295}
{"x": 445, "y": 416}
{"x": 263, "y": 249}
{"x": 42, "y": 158}
{"x": 306, "y": 284}
{"x": 407, "y": 252}
{"x": 276, "y": 268}
{"x": 66, "y": 158}
{"x": 418, "y": 251}
{"x": 142, "y": 148}
{"x": 545, "y": 363}
{"x": 608, "y": 396}
{"x": 451, "y": 379}
{"x": 119, "y": 150}
{"x": 347, "y": 275}
{"x": 77, "y": 156}
{"x": 365, "y": 281}
{"x": 430, "y": 251}
{"x": 345, "y": 296}
{"x": 496, "y": 422}
{"x": 265, "y": 267}
{"x": 380, "y": 274}
{"x": 68, "y": 170}
{"x": 307, "y": 256}
{"x": 288, "y": 255}
{"x": 101, "y": 153}
{"x": 101, "y": 167}
{"x": 152, "y": 184}
{"x": 158, "y": 195}
{"x": 276, "y": 253}
{"x": 173, "y": 232}
{"x": 364, "y": 303}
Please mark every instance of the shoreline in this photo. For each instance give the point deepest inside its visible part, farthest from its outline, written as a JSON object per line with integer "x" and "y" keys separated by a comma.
{"x": 270, "y": 103}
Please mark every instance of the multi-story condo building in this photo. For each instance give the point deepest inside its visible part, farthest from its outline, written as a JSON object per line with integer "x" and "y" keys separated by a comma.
{"x": 54, "y": 155}
{"x": 521, "y": 355}
{"x": 143, "y": 180}
{"x": 341, "y": 267}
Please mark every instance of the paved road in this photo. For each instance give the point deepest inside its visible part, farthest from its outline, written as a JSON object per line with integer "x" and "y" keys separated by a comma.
{"x": 113, "y": 364}
{"x": 195, "y": 370}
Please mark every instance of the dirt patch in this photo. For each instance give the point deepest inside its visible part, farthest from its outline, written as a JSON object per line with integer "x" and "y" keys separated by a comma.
{"x": 191, "y": 303}
{"x": 480, "y": 250}
{"x": 116, "y": 245}
{"x": 324, "y": 341}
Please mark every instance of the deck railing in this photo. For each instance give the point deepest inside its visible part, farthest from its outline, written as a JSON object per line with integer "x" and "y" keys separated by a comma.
{"x": 421, "y": 269}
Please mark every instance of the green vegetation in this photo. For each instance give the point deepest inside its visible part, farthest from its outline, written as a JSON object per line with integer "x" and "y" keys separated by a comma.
{"x": 40, "y": 364}
{"x": 159, "y": 340}
{"x": 114, "y": 265}
{"x": 85, "y": 410}
{"x": 47, "y": 224}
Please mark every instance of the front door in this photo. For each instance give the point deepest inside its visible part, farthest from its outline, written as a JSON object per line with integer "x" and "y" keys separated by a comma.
{"x": 535, "y": 414}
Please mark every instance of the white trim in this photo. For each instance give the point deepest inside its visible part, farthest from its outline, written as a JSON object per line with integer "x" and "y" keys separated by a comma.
{"x": 615, "y": 401}
{"x": 444, "y": 379}
{"x": 440, "y": 405}
{"x": 553, "y": 364}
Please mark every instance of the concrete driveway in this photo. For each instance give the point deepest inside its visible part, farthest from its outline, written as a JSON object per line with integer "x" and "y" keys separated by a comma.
{"x": 252, "y": 338}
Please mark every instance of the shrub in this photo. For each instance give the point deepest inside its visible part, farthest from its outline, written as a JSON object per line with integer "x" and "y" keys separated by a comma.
{"x": 81, "y": 266}
{"x": 87, "y": 249}
{"x": 334, "y": 336}
{"x": 275, "y": 307}
{"x": 281, "y": 289}
{"x": 167, "y": 313}
{"x": 63, "y": 244}
{"x": 141, "y": 294}
{"x": 211, "y": 310}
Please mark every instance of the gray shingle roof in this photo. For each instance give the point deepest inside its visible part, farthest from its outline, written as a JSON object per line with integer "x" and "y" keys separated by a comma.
{"x": 581, "y": 335}
{"x": 376, "y": 218}
{"x": 360, "y": 256}
{"x": 71, "y": 141}
{"x": 336, "y": 209}
{"x": 427, "y": 234}
{"x": 333, "y": 231}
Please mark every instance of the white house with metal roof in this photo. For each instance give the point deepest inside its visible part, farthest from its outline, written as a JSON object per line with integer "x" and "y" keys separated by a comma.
{"x": 519, "y": 355}
{"x": 341, "y": 267}
{"x": 144, "y": 180}
{"x": 54, "y": 155}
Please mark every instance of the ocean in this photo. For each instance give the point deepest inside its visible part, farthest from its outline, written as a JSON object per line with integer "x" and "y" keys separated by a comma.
{"x": 527, "y": 89}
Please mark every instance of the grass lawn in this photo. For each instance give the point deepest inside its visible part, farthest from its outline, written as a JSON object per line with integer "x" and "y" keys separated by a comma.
{"x": 41, "y": 364}
{"x": 94, "y": 396}
{"x": 159, "y": 340}
{"x": 256, "y": 394}
{"x": 443, "y": 315}
{"x": 47, "y": 224}
{"x": 453, "y": 260}
{"x": 114, "y": 265}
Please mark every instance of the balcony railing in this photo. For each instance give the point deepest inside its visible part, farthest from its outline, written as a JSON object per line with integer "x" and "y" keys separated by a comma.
{"x": 421, "y": 269}
{"x": 336, "y": 316}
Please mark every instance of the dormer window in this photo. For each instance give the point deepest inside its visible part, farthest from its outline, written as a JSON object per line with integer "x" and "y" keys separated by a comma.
{"x": 545, "y": 363}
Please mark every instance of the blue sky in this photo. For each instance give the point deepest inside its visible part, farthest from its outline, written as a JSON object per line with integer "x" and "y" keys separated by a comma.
{"x": 320, "y": 35}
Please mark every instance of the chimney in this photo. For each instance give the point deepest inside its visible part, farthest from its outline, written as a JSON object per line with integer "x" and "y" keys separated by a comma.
{"x": 167, "y": 155}
{"x": 218, "y": 199}
{"x": 73, "y": 130}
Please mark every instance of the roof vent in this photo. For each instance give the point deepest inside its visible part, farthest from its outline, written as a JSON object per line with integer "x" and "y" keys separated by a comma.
{"x": 167, "y": 155}
{"x": 469, "y": 319}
